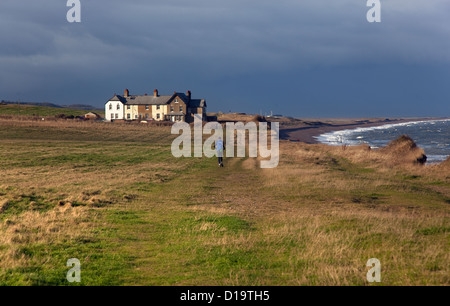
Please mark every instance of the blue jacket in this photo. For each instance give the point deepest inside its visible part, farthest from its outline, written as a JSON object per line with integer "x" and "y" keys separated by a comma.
{"x": 219, "y": 148}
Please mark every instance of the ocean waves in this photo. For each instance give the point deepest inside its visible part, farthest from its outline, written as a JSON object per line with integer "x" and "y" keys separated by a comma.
{"x": 432, "y": 135}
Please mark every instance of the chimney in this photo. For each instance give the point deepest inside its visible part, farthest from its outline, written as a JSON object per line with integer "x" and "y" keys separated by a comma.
{"x": 126, "y": 94}
{"x": 155, "y": 92}
{"x": 189, "y": 95}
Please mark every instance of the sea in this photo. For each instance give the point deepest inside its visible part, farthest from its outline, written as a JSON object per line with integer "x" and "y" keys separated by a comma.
{"x": 432, "y": 135}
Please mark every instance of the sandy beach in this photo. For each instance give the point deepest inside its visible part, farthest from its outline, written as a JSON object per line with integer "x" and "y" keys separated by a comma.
{"x": 306, "y": 130}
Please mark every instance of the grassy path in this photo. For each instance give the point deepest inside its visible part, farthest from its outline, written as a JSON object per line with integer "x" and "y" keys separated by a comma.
{"x": 170, "y": 236}
{"x": 114, "y": 197}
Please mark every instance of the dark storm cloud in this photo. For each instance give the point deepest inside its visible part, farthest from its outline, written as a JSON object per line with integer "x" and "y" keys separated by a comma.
{"x": 241, "y": 47}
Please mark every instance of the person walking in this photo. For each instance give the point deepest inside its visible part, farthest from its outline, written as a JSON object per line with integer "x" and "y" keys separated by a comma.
{"x": 219, "y": 149}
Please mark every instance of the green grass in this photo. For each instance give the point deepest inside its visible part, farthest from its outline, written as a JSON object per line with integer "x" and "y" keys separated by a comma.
{"x": 41, "y": 111}
{"x": 100, "y": 265}
{"x": 135, "y": 215}
{"x": 26, "y": 202}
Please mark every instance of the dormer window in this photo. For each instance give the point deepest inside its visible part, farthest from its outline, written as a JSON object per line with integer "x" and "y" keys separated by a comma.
{"x": 176, "y": 100}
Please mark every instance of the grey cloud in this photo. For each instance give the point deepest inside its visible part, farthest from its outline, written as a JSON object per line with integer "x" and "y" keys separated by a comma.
{"x": 141, "y": 41}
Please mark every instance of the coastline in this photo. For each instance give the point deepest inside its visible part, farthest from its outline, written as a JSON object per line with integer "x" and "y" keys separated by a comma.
{"x": 307, "y": 130}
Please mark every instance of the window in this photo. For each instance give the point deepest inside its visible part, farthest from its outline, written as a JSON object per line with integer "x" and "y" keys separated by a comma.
{"x": 176, "y": 100}
{"x": 112, "y": 116}
{"x": 135, "y": 116}
{"x": 158, "y": 106}
{"x": 128, "y": 107}
{"x": 118, "y": 106}
{"x": 117, "y": 116}
{"x": 146, "y": 107}
{"x": 146, "y": 116}
{"x": 128, "y": 116}
{"x": 171, "y": 108}
{"x": 158, "y": 116}
{"x": 181, "y": 108}
{"x": 110, "y": 106}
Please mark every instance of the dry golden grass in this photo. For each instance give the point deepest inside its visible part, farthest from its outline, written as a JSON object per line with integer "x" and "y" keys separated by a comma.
{"x": 445, "y": 164}
{"x": 314, "y": 220}
{"x": 33, "y": 227}
{"x": 236, "y": 117}
{"x": 324, "y": 211}
{"x": 87, "y": 130}
{"x": 57, "y": 174}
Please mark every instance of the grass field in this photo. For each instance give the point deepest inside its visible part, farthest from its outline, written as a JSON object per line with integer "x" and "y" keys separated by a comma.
{"x": 114, "y": 197}
{"x": 41, "y": 111}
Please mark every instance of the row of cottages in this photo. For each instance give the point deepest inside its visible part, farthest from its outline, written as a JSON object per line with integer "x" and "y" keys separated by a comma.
{"x": 175, "y": 107}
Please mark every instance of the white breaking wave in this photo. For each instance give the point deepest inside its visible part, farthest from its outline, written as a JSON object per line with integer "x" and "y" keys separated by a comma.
{"x": 342, "y": 137}
{"x": 362, "y": 135}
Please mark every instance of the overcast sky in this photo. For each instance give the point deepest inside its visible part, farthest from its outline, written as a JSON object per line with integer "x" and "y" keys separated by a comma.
{"x": 303, "y": 58}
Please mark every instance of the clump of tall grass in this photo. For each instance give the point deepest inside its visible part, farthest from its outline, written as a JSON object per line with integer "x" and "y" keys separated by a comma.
{"x": 400, "y": 152}
{"x": 404, "y": 149}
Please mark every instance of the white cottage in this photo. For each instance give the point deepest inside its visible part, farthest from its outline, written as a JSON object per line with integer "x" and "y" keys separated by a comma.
{"x": 115, "y": 108}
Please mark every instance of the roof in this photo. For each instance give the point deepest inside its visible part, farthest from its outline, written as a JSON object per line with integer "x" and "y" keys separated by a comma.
{"x": 148, "y": 100}
{"x": 198, "y": 103}
{"x": 118, "y": 98}
{"x": 159, "y": 100}
{"x": 182, "y": 96}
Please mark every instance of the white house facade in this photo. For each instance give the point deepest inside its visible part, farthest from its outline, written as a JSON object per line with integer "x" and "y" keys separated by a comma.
{"x": 114, "y": 109}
